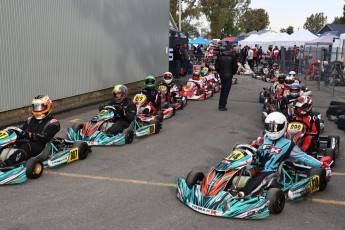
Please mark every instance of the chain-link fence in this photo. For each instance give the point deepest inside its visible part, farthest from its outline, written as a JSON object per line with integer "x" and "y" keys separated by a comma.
{"x": 319, "y": 66}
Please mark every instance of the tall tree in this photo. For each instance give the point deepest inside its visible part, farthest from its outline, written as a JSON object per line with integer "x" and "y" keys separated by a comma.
{"x": 254, "y": 19}
{"x": 340, "y": 20}
{"x": 223, "y": 14}
{"x": 282, "y": 30}
{"x": 290, "y": 30}
{"x": 314, "y": 23}
{"x": 190, "y": 11}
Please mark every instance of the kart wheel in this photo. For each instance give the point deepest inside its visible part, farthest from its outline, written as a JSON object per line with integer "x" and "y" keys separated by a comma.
{"x": 341, "y": 122}
{"x": 186, "y": 100}
{"x": 160, "y": 116}
{"x": 193, "y": 178}
{"x": 129, "y": 136}
{"x": 330, "y": 139}
{"x": 321, "y": 172}
{"x": 77, "y": 126}
{"x": 204, "y": 95}
{"x": 34, "y": 168}
{"x": 157, "y": 124}
{"x": 174, "y": 111}
{"x": 83, "y": 149}
{"x": 261, "y": 98}
{"x": 337, "y": 103}
{"x": 330, "y": 153}
{"x": 277, "y": 200}
{"x": 181, "y": 104}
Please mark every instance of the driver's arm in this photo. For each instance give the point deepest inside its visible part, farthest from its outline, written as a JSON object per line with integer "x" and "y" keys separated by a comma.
{"x": 301, "y": 156}
{"x": 48, "y": 133}
{"x": 130, "y": 112}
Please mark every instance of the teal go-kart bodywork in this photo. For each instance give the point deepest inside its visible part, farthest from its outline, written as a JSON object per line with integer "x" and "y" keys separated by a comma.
{"x": 217, "y": 193}
{"x": 56, "y": 153}
{"x": 94, "y": 132}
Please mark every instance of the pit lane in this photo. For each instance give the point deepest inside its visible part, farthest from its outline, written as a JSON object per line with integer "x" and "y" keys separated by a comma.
{"x": 132, "y": 186}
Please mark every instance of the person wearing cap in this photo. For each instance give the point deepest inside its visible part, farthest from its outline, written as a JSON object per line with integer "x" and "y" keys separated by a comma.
{"x": 38, "y": 130}
{"x": 125, "y": 110}
{"x": 226, "y": 66}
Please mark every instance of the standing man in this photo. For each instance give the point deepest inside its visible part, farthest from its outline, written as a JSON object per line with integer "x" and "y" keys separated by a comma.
{"x": 177, "y": 60}
{"x": 226, "y": 66}
{"x": 184, "y": 59}
{"x": 250, "y": 58}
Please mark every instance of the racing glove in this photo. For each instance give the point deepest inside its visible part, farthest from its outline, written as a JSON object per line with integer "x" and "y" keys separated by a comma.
{"x": 328, "y": 171}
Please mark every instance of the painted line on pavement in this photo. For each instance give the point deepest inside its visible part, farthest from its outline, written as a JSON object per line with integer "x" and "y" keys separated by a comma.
{"x": 338, "y": 174}
{"x": 340, "y": 99}
{"x": 113, "y": 179}
{"x": 323, "y": 201}
{"x": 75, "y": 120}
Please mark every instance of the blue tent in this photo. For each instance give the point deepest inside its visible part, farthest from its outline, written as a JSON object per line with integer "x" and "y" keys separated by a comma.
{"x": 236, "y": 40}
{"x": 200, "y": 41}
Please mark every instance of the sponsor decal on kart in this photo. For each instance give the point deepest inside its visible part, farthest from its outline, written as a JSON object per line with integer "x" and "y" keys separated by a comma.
{"x": 314, "y": 184}
{"x": 3, "y": 134}
{"x": 204, "y": 210}
{"x": 139, "y": 98}
{"x": 295, "y": 127}
{"x": 234, "y": 156}
{"x": 275, "y": 150}
{"x": 73, "y": 155}
{"x": 53, "y": 163}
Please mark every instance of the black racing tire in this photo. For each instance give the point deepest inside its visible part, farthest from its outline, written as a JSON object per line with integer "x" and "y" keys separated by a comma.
{"x": 181, "y": 104}
{"x": 160, "y": 116}
{"x": 330, "y": 153}
{"x": 77, "y": 126}
{"x": 157, "y": 124}
{"x": 277, "y": 200}
{"x": 204, "y": 95}
{"x": 174, "y": 111}
{"x": 341, "y": 122}
{"x": 322, "y": 173}
{"x": 337, "y": 145}
{"x": 340, "y": 112}
{"x": 129, "y": 136}
{"x": 186, "y": 100}
{"x": 34, "y": 168}
{"x": 332, "y": 110}
{"x": 337, "y": 103}
{"x": 83, "y": 149}
{"x": 261, "y": 97}
{"x": 193, "y": 178}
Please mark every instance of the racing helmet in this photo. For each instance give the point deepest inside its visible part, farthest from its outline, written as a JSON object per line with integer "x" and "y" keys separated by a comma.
{"x": 120, "y": 92}
{"x": 295, "y": 90}
{"x": 204, "y": 71}
{"x": 41, "y": 106}
{"x": 196, "y": 75}
{"x": 281, "y": 78}
{"x": 275, "y": 125}
{"x": 150, "y": 82}
{"x": 292, "y": 73}
{"x": 303, "y": 105}
{"x": 275, "y": 66}
{"x": 167, "y": 78}
{"x": 289, "y": 80}
{"x": 325, "y": 63}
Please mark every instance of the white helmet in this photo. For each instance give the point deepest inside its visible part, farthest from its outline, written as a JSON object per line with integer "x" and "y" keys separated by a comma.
{"x": 168, "y": 77}
{"x": 275, "y": 125}
{"x": 292, "y": 73}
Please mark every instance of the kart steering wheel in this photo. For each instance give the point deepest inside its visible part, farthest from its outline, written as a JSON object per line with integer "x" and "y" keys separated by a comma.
{"x": 19, "y": 132}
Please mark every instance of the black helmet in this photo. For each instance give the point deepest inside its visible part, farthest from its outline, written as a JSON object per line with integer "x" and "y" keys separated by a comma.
{"x": 281, "y": 78}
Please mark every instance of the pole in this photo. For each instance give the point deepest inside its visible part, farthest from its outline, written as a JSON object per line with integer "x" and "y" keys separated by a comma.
{"x": 179, "y": 14}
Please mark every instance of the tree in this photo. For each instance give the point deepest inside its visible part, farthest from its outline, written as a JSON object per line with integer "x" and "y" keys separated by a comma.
{"x": 223, "y": 15}
{"x": 190, "y": 11}
{"x": 290, "y": 30}
{"x": 340, "y": 20}
{"x": 254, "y": 19}
{"x": 314, "y": 23}
{"x": 282, "y": 30}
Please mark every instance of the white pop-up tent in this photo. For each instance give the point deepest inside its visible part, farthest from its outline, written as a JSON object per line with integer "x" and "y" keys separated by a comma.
{"x": 249, "y": 41}
{"x": 298, "y": 38}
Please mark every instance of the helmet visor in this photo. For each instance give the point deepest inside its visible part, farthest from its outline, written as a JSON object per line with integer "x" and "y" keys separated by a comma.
{"x": 274, "y": 127}
{"x": 39, "y": 107}
{"x": 150, "y": 81}
{"x": 117, "y": 94}
{"x": 167, "y": 77}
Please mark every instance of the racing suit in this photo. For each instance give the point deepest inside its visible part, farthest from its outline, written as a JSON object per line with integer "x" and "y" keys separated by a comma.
{"x": 153, "y": 99}
{"x": 311, "y": 68}
{"x": 39, "y": 133}
{"x": 126, "y": 112}
{"x": 270, "y": 155}
{"x": 309, "y": 140}
{"x": 287, "y": 106}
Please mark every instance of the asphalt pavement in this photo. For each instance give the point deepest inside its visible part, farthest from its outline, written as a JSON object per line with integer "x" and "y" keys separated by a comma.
{"x": 133, "y": 186}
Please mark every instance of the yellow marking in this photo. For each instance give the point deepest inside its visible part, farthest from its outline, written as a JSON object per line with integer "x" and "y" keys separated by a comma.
{"x": 322, "y": 201}
{"x": 338, "y": 174}
{"x": 75, "y": 120}
{"x": 112, "y": 179}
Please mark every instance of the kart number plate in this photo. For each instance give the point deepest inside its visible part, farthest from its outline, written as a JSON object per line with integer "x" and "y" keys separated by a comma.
{"x": 73, "y": 155}
{"x": 3, "y": 134}
{"x": 234, "y": 156}
{"x": 162, "y": 88}
{"x": 102, "y": 112}
{"x": 152, "y": 129}
{"x": 314, "y": 184}
{"x": 295, "y": 127}
{"x": 139, "y": 98}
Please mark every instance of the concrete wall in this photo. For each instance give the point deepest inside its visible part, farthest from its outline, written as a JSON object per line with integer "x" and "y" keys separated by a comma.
{"x": 66, "y": 48}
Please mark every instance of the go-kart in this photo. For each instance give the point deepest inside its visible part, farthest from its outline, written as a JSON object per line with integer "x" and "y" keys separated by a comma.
{"x": 169, "y": 100}
{"x": 211, "y": 83}
{"x": 164, "y": 111}
{"x": 94, "y": 132}
{"x": 216, "y": 193}
{"x": 324, "y": 145}
{"x": 194, "y": 92}
{"x": 56, "y": 153}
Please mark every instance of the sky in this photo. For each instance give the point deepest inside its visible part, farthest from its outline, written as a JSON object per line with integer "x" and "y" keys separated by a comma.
{"x": 284, "y": 13}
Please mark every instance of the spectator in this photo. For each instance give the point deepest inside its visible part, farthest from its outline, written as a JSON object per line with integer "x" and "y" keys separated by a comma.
{"x": 177, "y": 60}
{"x": 255, "y": 56}
{"x": 260, "y": 53}
{"x": 199, "y": 53}
{"x": 250, "y": 58}
{"x": 226, "y": 66}
{"x": 184, "y": 59}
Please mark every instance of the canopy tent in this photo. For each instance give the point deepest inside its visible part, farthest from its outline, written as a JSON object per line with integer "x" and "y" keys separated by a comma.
{"x": 324, "y": 40}
{"x": 236, "y": 40}
{"x": 228, "y": 39}
{"x": 298, "y": 38}
{"x": 249, "y": 41}
{"x": 336, "y": 33}
{"x": 200, "y": 41}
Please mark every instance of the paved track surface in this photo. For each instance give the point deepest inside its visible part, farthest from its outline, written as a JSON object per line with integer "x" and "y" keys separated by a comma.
{"x": 132, "y": 186}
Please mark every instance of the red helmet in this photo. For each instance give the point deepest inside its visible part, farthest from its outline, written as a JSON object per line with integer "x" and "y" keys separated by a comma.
{"x": 303, "y": 105}
{"x": 196, "y": 75}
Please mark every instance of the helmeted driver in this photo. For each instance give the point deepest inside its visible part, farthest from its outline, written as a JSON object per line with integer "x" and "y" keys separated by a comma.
{"x": 153, "y": 97}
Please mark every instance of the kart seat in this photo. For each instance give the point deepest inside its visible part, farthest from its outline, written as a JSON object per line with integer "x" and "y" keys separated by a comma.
{"x": 6, "y": 153}
{"x": 240, "y": 181}
{"x": 45, "y": 152}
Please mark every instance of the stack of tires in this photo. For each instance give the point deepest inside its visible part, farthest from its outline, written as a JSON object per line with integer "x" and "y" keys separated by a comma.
{"x": 336, "y": 113}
